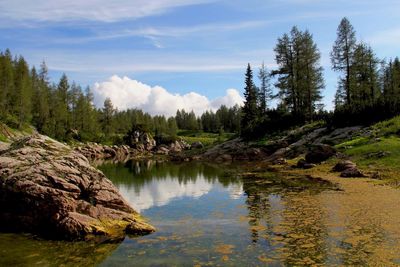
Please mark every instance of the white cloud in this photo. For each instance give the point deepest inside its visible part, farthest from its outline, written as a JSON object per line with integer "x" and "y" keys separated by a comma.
{"x": 387, "y": 37}
{"x": 93, "y": 10}
{"x": 157, "y": 193}
{"x": 127, "y": 93}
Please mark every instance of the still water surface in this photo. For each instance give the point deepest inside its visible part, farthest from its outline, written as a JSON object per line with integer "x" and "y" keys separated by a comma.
{"x": 206, "y": 216}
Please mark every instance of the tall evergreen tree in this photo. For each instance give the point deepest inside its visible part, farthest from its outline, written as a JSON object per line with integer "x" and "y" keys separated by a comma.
{"x": 300, "y": 79}
{"x": 41, "y": 106}
{"x": 364, "y": 78}
{"x": 342, "y": 55}
{"x": 22, "y": 95}
{"x": 108, "y": 118}
{"x": 62, "y": 111}
{"x": 250, "y": 110}
{"x": 6, "y": 82}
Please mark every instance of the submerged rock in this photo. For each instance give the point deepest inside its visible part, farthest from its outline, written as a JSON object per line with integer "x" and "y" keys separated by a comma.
{"x": 50, "y": 189}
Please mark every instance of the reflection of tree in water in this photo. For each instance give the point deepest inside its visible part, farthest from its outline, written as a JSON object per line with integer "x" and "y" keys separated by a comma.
{"x": 136, "y": 174}
{"x": 29, "y": 251}
{"x": 292, "y": 227}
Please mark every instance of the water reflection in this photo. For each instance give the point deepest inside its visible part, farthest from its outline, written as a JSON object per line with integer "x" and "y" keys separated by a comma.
{"x": 26, "y": 250}
{"x": 207, "y": 216}
{"x": 146, "y": 184}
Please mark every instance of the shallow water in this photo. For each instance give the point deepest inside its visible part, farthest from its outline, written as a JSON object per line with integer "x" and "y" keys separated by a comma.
{"x": 206, "y": 216}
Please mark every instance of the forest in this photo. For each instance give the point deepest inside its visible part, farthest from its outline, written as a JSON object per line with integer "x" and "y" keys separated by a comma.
{"x": 368, "y": 91}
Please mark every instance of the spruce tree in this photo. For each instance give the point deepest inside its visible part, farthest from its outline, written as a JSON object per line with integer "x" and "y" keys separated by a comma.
{"x": 250, "y": 110}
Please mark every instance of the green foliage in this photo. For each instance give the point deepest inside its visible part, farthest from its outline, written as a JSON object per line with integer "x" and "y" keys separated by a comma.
{"x": 383, "y": 153}
{"x": 387, "y": 127}
{"x": 250, "y": 111}
{"x": 299, "y": 73}
{"x": 341, "y": 58}
{"x": 205, "y": 138}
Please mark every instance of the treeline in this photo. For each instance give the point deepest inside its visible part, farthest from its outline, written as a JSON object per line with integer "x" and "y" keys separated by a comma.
{"x": 368, "y": 91}
{"x": 65, "y": 111}
{"x": 368, "y": 88}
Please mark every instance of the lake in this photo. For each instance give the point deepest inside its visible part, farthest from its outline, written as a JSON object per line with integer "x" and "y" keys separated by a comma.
{"x": 206, "y": 215}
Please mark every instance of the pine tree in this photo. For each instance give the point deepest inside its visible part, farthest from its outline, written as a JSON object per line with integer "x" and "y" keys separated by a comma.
{"x": 342, "y": 54}
{"x": 250, "y": 110}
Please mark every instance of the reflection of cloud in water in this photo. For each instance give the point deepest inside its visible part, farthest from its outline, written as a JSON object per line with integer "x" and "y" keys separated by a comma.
{"x": 159, "y": 192}
{"x": 235, "y": 190}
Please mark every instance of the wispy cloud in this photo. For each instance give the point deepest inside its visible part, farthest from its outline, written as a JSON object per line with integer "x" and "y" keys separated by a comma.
{"x": 92, "y": 10}
{"x": 389, "y": 37}
{"x": 116, "y": 61}
{"x": 154, "y": 33}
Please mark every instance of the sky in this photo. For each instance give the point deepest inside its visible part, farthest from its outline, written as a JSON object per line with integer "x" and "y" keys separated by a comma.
{"x": 160, "y": 55}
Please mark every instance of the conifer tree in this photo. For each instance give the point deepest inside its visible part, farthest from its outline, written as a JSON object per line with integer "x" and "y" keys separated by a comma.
{"x": 6, "y": 83}
{"x": 61, "y": 112}
{"x": 41, "y": 95}
{"x": 22, "y": 95}
{"x": 342, "y": 56}
{"x": 300, "y": 79}
{"x": 108, "y": 118}
{"x": 250, "y": 110}
{"x": 265, "y": 93}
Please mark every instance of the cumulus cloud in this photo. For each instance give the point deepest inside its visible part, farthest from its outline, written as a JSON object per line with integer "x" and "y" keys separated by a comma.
{"x": 127, "y": 93}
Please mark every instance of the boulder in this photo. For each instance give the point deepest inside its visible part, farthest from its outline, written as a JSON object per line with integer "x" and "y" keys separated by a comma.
{"x": 140, "y": 140}
{"x": 320, "y": 153}
{"x": 303, "y": 164}
{"x": 50, "y": 189}
{"x": 280, "y": 161}
{"x": 197, "y": 145}
{"x": 344, "y": 165}
{"x": 352, "y": 172}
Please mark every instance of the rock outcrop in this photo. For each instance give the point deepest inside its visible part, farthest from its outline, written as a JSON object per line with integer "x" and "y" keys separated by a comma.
{"x": 348, "y": 169}
{"x": 50, "y": 189}
{"x": 234, "y": 150}
{"x": 319, "y": 153}
{"x": 94, "y": 151}
{"x": 140, "y": 140}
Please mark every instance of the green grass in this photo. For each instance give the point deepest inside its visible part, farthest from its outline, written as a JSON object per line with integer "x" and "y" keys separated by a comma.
{"x": 205, "y": 138}
{"x": 388, "y": 127}
{"x": 367, "y": 154}
{"x": 354, "y": 143}
{"x": 378, "y": 152}
{"x": 3, "y": 138}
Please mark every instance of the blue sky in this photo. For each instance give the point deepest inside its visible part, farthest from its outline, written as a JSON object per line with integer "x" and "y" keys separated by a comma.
{"x": 183, "y": 46}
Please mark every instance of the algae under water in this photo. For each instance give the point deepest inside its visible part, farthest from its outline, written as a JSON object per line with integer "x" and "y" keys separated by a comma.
{"x": 206, "y": 216}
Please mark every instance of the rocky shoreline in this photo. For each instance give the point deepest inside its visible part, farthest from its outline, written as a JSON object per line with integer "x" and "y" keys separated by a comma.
{"x": 49, "y": 189}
